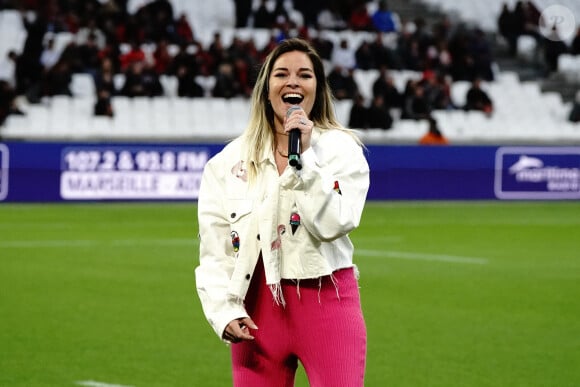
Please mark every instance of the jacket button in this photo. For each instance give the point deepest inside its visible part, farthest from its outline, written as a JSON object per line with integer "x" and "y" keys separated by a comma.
{"x": 248, "y": 276}
{"x": 233, "y": 215}
{"x": 258, "y": 236}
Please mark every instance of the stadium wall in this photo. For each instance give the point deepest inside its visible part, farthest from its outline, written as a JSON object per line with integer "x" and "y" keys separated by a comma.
{"x": 72, "y": 172}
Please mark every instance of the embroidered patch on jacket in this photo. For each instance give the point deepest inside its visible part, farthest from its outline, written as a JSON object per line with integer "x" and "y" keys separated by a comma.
{"x": 278, "y": 241}
{"x": 240, "y": 171}
{"x": 235, "y": 240}
{"x": 337, "y": 187}
{"x": 294, "y": 221}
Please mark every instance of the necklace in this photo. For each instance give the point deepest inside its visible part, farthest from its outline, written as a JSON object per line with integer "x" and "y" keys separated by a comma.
{"x": 281, "y": 154}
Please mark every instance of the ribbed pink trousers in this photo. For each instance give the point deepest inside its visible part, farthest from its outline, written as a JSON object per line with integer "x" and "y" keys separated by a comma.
{"x": 322, "y": 326}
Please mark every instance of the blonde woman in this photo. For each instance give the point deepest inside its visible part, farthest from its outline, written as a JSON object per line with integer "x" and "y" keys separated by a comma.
{"x": 276, "y": 277}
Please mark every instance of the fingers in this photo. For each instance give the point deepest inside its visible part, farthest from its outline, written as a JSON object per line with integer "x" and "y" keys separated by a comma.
{"x": 298, "y": 120}
{"x": 239, "y": 330}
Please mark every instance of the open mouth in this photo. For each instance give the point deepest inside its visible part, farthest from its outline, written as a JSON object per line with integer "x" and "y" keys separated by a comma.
{"x": 292, "y": 98}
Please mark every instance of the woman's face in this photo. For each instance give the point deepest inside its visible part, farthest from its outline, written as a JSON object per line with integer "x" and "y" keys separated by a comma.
{"x": 292, "y": 82}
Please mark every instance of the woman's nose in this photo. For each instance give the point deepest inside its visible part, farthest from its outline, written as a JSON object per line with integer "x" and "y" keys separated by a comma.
{"x": 293, "y": 80}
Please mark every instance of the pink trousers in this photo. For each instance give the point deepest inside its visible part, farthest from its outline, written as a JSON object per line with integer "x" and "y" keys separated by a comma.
{"x": 322, "y": 326}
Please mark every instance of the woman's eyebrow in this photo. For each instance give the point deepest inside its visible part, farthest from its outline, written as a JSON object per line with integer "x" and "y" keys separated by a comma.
{"x": 299, "y": 70}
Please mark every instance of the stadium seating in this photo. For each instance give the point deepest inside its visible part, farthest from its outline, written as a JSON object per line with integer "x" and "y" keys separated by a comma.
{"x": 486, "y": 13}
{"x": 522, "y": 112}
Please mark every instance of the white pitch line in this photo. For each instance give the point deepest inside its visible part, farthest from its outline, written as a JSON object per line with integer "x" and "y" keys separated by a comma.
{"x": 422, "y": 256}
{"x": 92, "y": 383}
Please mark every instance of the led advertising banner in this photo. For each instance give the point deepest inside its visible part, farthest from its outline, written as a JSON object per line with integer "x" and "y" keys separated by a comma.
{"x": 52, "y": 172}
{"x": 131, "y": 172}
{"x": 537, "y": 173}
{"x": 43, "y": 172}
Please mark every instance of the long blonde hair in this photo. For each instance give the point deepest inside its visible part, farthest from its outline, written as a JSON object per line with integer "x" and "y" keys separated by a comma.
{"x": 260, "y": 129}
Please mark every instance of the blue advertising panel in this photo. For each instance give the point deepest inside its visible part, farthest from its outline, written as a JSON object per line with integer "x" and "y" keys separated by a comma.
{"x": 46, "y": 172}
{"x": 131, "y": 172}
{"x": 537, "y": 173}
{"x": 431, "y": 172}
{"x": 41, "y": 172}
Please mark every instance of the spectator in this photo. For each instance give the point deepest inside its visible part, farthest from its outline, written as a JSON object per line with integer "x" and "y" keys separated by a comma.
{"x": 310, "y": 9}
{"x": 189, "y": 55}
{"x": 554, "y": 46}
{"x": 88, "y": 56}
{"x": 359, "y": 19}
{"x": 141, "y": 81}
{"x": 437, "y": 91}
{"x": 444, "y": 60}
{"x": 384, "y": 20}
{"x": 281, "y": 16}
{"x": 478, "y": 99}
{"x": 441, "y": 95}
{"x": 8, "y": 103}
{"x": 161, "y": 57}
{"x": 226, "y": 84}
{"x": 506, "y": 25}
{"x": 415, "y": 103}
{"x": 343, "y": 56}
{"x": 50, "y": 55}
{"x": 91, "y": 29}
{"x": 480, "y": 54}
{"x": 342, "y": 83}
{"x": 105, "y": 77}
{"x": 323, "y": 46}
{"x": 160, "y": 21}
{"x": 364, "y": 57}
{"x": 329, "y": 18}
{"x": 243, "y": 11}
{"x": 574, "y": 115}
{"x": 56, "y": 81}
{"x": 526, "y": 22}
{"x": 103, "y": 106}
{"x": 217, "y": 52}
{"x": 575, "y": 45}
{"x": 131, "y": 30}
{"x": 433, "y": 135}
{"x": 183, "y": 30}
{"x": 382, "y": 54}
{"x": 359, "y": 115}
{"x": 384, "y": 86}
{"x": 463, "y": 65}
{"x": 409, "y": 52}
{"x": 28, "y": 68}
{"x": 379, "y": 116}
{"x": 134, "y": 55}
{"x": 262, "y": 16}
{"x": 112, "y": 52}
{"x": 187, "y": 86}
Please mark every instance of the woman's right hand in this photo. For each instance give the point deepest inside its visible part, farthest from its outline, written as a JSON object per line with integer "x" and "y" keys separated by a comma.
{"x": 239, "y": 330}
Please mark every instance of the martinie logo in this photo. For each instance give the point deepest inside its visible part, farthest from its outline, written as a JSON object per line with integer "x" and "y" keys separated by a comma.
{"x": 537, "y": 173}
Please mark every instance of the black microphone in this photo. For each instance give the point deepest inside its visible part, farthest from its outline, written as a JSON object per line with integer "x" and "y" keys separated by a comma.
{"x": 294, "y": 142}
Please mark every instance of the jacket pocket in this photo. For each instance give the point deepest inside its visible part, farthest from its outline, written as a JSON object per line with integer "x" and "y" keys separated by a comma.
{"x": 238, "y": 209}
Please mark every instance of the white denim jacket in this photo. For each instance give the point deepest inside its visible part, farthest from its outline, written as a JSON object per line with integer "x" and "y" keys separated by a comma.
{"x": 299, "y": 220}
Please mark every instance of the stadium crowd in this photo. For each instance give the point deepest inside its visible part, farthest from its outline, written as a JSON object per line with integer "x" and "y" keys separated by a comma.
{"x": 109, "y": 40}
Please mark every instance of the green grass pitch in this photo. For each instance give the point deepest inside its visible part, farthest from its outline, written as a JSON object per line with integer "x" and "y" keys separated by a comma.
{"x": 454, "y": 294}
